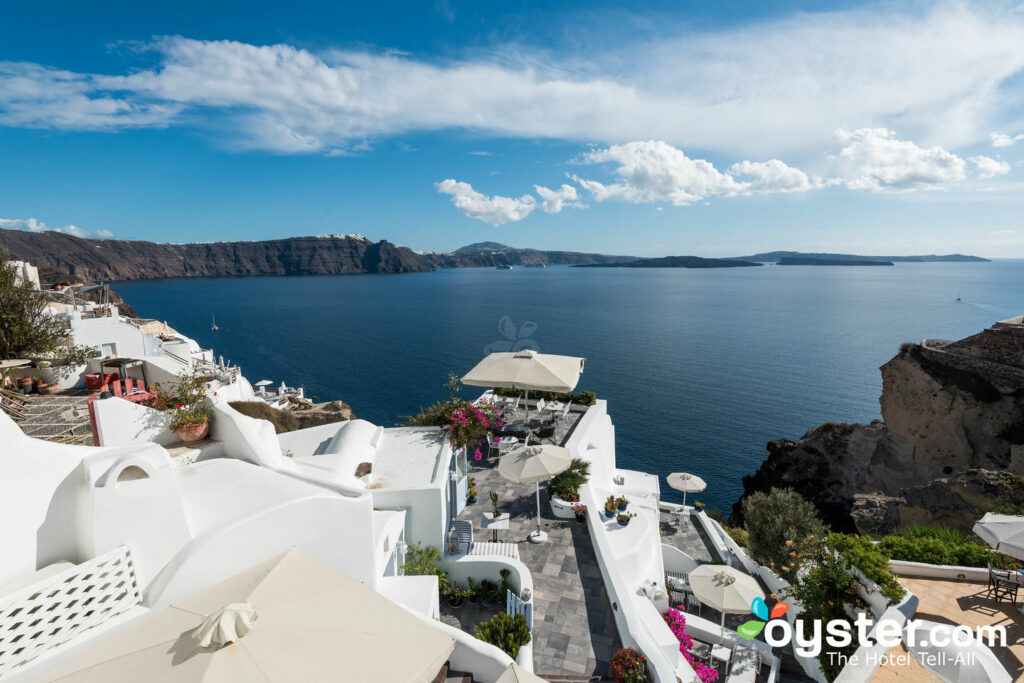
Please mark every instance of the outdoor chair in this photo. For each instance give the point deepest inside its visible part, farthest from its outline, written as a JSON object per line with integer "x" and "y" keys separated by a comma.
{"x": 1003, "y": 584}
{"x": 540, "y": 404}
{"x": 510, "y": 409}
{"x": 563, "y": 415}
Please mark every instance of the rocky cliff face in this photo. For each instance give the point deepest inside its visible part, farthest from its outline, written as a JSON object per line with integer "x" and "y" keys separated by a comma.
{"x": 950, "y": 446}
{"x": 87, "y": 259}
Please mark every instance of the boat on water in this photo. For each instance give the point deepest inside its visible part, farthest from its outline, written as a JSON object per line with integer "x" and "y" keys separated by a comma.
{"x": 503, "y": 267}
{"x": 213, "y": 327}
{"x": 535, "y": 265}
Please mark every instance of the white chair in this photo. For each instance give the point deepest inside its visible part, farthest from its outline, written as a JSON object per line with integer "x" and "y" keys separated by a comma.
{"x": 511, "y": 408}
{"x": 540, "y": 404}
{"x": 564, "y": 415}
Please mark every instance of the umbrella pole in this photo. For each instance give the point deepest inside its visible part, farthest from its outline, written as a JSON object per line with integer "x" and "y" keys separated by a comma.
{"x": 723, "y": 628}
{"x": 538, "y": 536}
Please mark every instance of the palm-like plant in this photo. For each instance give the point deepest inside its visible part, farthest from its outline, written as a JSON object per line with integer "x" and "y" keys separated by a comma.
{"x": 566, "y": 485}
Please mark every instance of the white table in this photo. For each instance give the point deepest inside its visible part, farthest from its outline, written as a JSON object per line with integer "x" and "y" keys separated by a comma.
{"x": 554, "y": 406}
{"x": 721, "y": 653}
{"x": 489, "y": 522}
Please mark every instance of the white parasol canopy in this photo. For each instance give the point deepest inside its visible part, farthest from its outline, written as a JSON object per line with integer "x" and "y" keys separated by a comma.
{"x": 290, "y": 618}
{"x": 955, "y": 662}
{"x": 517, "y": 674}
{"x": 687, "y": 483}
{"x": 527, "y": 370}
{"x": 532, "y": 465}
{"x": 727, "y": 590}
{"x": 1005, "y": 533}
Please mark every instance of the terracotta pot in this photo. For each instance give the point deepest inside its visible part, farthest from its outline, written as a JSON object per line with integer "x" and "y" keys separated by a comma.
{"x": 47, "y": 388}
{"x": 24, "y": 382}
{"x": 193, "y": 433}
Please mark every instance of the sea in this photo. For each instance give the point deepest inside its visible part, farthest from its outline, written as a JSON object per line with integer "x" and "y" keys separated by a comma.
{"x": 700, "y": 367}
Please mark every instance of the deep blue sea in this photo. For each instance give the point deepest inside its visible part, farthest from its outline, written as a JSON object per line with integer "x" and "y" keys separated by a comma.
{"x": 701, "y": 368}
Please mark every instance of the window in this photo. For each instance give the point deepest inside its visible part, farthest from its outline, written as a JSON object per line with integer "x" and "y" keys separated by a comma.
{"x": 109, "y": 349}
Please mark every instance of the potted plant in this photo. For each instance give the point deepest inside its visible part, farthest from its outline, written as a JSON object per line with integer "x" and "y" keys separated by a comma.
{"x": 46, "y": 389}
{"x": 505, "y": 584}
{"x": 610, "y": 507}
{"x": 628, "y": 666}
{"x": 456, "y": 597}
{"x": 191, "y": 418}
{"x": 472, "y": 590}
{"x": 471, "y": 493}
{"x": 505, "y": 631}
{"x": 494, "y": 505}
{"x": 564, "y": 488}
{"x": 580, "y": 510}
{"x": 488, "y": 592}
{"x": 24, "y": 383}
{"x": 621, "y": 503}
{"x": 624, "y": 517}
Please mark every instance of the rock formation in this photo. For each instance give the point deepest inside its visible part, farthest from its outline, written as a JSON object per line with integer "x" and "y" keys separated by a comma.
{"x": 950, "y": 448}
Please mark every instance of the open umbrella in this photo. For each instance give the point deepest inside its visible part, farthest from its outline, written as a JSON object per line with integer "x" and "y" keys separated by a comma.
{"x": 527, "y": 370}
{"x": 954, "y": 662}
{"x": 687, "y": 483}
{"x": 1005, "y": 533}
{"x": 290, "y": 618}
{"x": 532, "y": 465}
{"x": 727, "y": 590}
{"x": 517, "y": 674}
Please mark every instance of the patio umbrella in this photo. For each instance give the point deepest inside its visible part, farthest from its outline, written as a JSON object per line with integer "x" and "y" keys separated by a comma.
{"x": 290, "y": 618}
{"x": 517, "y": 674}
{"x": 953, "y": 663}
{"x": 526, "y": 370}
{"x": 687, "y": 483}
{"x": 725, "y": 589}
{"x": 532, "y": 465}
{"x": 1005, "y": 533}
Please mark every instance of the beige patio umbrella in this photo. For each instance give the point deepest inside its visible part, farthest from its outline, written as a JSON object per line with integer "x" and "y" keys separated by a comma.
{"x": 954, "y": 662}
{"x": 517, "y": 674}
{"x": 727, "y": 590}
{"x": 527, "y": 370}
{"x": 532, "y": 465}
{"x": 687, "y": 483}
{"x": 1005, "y": 533}
{"x": 290, "y": 618}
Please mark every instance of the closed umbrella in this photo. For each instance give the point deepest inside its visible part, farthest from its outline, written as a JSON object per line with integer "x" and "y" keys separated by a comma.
{"x": 1005, "y": 533}
{"x": 965, "y": 661}
{"x": 687, "y": 483}
{"x": 527, "y": 370}
{"x": 532, "y": 465}
{"x": 290, "y": 618}
{"x": 727, "y": 590}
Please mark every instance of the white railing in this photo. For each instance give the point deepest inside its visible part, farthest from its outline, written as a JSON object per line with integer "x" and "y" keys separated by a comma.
{"x": 56, "y": 609}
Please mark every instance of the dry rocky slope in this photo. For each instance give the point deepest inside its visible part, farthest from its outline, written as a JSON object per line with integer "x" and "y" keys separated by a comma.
{"x": 950, "y": 448}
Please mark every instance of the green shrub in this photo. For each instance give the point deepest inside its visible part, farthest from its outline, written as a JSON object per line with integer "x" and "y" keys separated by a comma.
{"x": 926, "y": 550}
{"x": 740, "y": 535}
{"x": 943, "y": 532}
{"x": 782, "y": 526}
{"x": 873, "y": 562}
{"x": 506, "y": 632}
{"x": 566, "y": 484}
{"x": 974, "y": 555}
{"x": 422, "y": 561}
{"x": 583, "y": 398}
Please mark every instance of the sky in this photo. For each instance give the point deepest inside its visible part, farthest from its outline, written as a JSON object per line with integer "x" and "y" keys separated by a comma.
{"x": 707, "y": 128}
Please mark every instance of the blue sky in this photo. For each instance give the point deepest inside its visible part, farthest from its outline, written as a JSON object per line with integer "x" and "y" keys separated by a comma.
{"x": 641, "y": 128}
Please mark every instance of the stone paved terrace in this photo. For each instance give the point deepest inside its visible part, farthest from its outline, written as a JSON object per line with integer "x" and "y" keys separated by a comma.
{"x": 574, "y": 629}
{"x": 62, "y": 417}
{"x": 959, "y": 602}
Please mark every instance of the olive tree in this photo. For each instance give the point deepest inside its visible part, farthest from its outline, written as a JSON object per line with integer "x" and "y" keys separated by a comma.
{"x": 25, "y": 329}
{"x": 782, "y": 527}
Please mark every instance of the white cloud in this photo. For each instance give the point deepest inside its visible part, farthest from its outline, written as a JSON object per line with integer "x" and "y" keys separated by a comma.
{"x": 481, "y": 153}
{"x": 1004, "y": 140}
{"x": 495, "y": 210}
{"x": 553, "y": 201}
{"x": 989, "y": 167}
{"x": 873, "y": 159}
{"x": 36, "y": 225}
{"x": 769, "y": 88}
{"x": 772, "y": 176}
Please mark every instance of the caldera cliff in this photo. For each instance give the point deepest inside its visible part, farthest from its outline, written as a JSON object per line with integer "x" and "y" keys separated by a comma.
{"x": 950, "y": 447}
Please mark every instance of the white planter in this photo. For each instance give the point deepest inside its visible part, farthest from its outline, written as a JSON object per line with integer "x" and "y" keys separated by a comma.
{"x": 562, "y": 509}
{"x": 66, "y": 376}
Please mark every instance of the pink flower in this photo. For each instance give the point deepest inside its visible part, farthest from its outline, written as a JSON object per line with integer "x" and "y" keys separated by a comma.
{"x": 478, "y": 454}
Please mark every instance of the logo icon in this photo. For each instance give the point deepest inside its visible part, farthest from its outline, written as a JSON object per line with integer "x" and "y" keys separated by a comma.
{"x": 516, "y": 338}
{"x": 750, "y": 629}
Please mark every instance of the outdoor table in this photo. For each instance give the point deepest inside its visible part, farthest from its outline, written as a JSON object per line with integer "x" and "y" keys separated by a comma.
{"x": 12, "y": 363}
{"x": 721, "y": 653}
{"x": 514, "y": 430}
{"x": 494, "y": 524}
{"x": 554, "y": 406}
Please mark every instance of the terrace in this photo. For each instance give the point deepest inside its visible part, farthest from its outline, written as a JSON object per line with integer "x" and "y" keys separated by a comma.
{"x": 958, "y": 602}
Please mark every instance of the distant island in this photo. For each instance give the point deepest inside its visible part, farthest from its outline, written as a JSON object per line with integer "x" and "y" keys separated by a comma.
{"x": 673, "y": 262}
{"x": 808, "y": 261}
{"x": 776, "y": 256}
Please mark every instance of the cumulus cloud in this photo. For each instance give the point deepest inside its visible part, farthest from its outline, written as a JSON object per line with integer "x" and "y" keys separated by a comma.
{"x": 875, "y": 160}
{"x": 989, "y": 167}
{"x": 35, "y": 225}
{"x": 1004, "y": 140}
{"x": 553, "y": 201}
{"x": 495, "y": 210}
{"x": 763, "y": 89}
{"x": 655, "y": 171}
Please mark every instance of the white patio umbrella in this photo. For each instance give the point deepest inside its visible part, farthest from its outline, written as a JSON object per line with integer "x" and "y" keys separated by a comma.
{"x": 532, "y": 465}
{"x": 972, "y": 662}
{"x": 290, "y": 618}
{"x": 687, "y": 483}
{"x": 526, "y": 370}
{"x": 517, "y": 674}
{"x": 1005, "y": 533}
{"x": 727, "y": 590}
